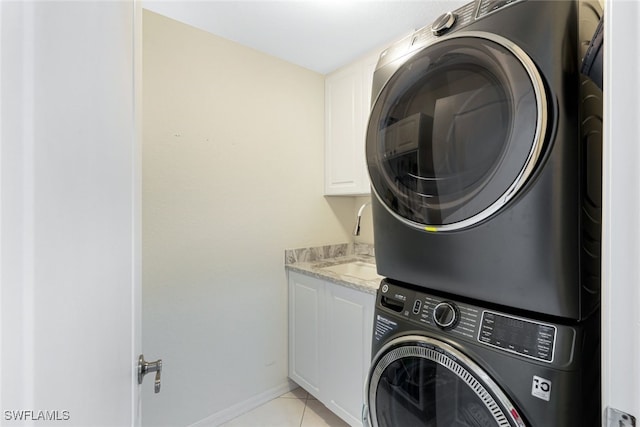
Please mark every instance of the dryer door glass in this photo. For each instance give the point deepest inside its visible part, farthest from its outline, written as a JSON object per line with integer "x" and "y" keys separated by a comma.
{"x": 456, "y": 131}
{"x": 422, "y": 384}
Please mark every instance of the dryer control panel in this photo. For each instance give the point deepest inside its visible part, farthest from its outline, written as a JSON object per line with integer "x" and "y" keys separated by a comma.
{"x": 514, "y": 334}
{"x": 486, "y": 7}
{"x": 443, "y": 25}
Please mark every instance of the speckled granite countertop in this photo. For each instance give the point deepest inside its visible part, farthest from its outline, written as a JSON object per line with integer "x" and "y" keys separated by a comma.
{"x": 313, "y": 261}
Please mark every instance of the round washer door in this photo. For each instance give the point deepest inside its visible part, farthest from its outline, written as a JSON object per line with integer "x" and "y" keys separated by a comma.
{"x": 456, "y": 131}
{"x": 419, "y": 381}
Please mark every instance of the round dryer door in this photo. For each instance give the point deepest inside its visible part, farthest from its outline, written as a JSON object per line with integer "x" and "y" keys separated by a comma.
{"x": 456, "y": 131}
{"x": 419, "y": 381}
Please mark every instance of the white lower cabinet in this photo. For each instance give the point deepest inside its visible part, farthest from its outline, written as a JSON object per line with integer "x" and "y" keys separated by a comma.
{"x": 349, "y": 325}
{"x": 330, "y": 328}
{"x": 306, "y": 316}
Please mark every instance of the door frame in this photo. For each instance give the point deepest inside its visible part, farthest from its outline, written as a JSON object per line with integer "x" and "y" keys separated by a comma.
{"x": 621, "y": 213}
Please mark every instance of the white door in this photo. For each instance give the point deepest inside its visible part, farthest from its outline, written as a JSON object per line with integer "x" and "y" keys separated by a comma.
{"x": 69, "y": 214}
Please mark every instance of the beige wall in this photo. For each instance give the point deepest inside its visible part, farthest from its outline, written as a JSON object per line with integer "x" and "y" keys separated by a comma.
{"x": 232, "y": 175}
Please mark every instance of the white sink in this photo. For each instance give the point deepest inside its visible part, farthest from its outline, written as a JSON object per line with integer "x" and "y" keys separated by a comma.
{"x": 358, "y": 269}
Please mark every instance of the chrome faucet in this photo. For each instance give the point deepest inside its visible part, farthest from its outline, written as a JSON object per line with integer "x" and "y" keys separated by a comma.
{"x": 356, "y": 230}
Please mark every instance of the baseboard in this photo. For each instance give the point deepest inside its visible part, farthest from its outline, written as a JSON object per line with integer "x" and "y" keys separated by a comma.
{"x": 238, "y": 409}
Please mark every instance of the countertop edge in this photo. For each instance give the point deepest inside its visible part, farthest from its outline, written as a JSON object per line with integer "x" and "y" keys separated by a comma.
{"x": 314, "y": 269}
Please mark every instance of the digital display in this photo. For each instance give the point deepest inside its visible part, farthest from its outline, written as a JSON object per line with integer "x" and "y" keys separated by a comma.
{"x": 524, "y": 337}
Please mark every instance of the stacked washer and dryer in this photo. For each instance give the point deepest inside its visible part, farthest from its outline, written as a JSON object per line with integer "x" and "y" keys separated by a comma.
{"x": 484, "y": 153}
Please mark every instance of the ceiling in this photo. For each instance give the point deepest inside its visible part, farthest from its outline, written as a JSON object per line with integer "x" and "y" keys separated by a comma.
{"x": 321, "y": 35}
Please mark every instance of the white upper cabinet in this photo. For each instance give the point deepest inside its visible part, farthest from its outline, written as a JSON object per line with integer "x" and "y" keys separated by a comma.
{"x": 347, "y": 106}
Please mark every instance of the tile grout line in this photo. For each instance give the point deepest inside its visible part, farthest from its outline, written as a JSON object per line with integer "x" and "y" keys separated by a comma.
{"x": 306, "y": 399}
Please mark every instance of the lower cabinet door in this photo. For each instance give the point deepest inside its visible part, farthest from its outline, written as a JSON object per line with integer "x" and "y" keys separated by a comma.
{"x": 306, "y": 301}
{"x": 349, "y": 328}
{"x": 330, "y": 329}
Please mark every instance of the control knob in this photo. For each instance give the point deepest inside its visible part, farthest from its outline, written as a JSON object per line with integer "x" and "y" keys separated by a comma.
{"x": 446, "y": 315}
{"x": 443, "y": 23}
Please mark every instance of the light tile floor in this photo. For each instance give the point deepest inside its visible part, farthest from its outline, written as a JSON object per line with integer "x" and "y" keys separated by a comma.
{"x": 294, "y": 409}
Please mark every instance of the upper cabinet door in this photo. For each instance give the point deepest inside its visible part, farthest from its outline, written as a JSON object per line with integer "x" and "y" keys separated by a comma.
{"x": 347, "y": 106}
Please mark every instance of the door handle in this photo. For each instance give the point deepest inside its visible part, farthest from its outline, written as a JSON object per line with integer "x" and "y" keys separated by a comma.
{"x": 145, "y": 367}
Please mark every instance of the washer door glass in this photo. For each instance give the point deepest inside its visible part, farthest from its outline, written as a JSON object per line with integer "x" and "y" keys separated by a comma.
{"x": 424, "y": 382}
{"x": 456, "y": 131}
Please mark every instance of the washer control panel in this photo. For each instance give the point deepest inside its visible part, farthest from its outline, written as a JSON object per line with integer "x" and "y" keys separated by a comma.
{"x": 458, "y": 318}
{"x": 513, "y": 334}
{"x": 518, "y": 335}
